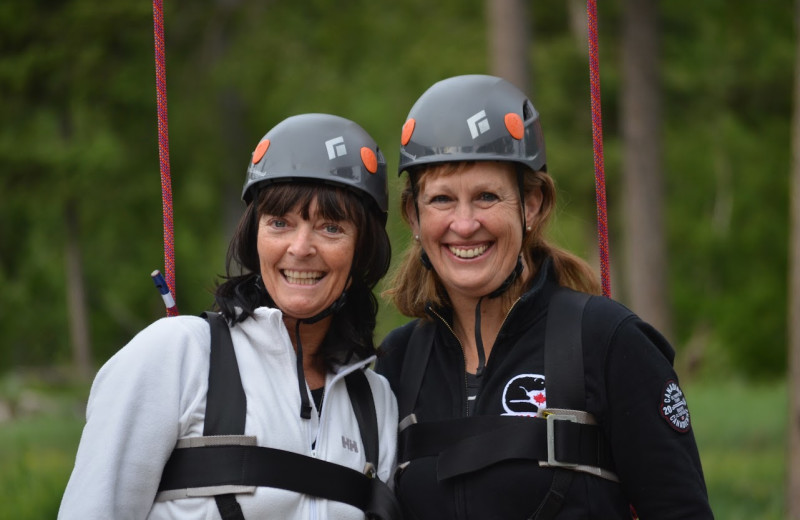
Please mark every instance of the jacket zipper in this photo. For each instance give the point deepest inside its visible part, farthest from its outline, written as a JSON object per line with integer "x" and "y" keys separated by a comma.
{"x": 460, "y": 497}
{"x": 464, "y": 356}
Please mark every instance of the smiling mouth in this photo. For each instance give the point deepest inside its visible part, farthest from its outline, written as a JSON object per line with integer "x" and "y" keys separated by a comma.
{"x": 468, "y": 252}
{"x": 302, "y": 277}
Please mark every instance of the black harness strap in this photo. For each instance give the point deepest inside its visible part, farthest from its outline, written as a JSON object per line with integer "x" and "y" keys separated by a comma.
{"x": 226, "y": 403}
{"x": 461, "y": 444}
{"x": 223, "y": 464}
{"x": 472, "y": 443}
{"x": 415, "y": 362}
{"x": 364, "y": 409}
{"x": 240, "y": 465}
{"x": 564, "y": 379}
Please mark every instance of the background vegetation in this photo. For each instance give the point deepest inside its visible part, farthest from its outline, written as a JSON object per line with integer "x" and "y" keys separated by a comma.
{"x": 79, "y": 161}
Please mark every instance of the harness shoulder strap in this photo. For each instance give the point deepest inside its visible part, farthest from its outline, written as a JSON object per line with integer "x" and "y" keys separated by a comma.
{"x": 564, "y": 378}
{"x": 415, "y": 361}
{"x": 226, "y": 403}
{"x": 364, "y": 409}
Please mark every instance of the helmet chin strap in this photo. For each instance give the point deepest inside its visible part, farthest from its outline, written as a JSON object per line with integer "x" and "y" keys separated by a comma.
{"x": 305, "y": 404}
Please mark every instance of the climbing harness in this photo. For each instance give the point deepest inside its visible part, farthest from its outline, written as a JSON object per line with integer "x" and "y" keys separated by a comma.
{"x": 597, "y": 145}
{"x": 224, "y": 461}
{"x": 165, "y": 286}
{"x": 564, "y": 437}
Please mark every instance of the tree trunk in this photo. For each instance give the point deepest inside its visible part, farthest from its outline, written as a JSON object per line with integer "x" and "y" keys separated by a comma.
{"x": 77, "y": 308}
{"x": 578, "y": 24}
{"x": 645, "y": 243}
{"x": 231, "y": 112}
{"x": 793, "y": 379}
{"x": 509, "y": 37}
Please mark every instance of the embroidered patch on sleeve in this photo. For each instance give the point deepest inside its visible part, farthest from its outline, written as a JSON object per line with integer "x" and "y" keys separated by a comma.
{"x": 673, "y": 407}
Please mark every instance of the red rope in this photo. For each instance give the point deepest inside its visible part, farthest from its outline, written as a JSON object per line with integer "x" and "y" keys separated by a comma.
{"x": 597, "y": 139}
{"x": 163, "y": 151}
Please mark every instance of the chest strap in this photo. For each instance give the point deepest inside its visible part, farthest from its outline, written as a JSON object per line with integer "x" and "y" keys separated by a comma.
{"x": 191, "y": 470}
{"x": 224, "y": 461}
{"x": 564, "y": 439}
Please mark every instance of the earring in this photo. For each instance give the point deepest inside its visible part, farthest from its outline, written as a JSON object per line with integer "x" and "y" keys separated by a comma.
{"x": 416, "y": 237}
{"x": 528, "y": 229}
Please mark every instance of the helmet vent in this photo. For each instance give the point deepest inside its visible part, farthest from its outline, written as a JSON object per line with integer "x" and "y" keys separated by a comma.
{"x": 527, "y": 110}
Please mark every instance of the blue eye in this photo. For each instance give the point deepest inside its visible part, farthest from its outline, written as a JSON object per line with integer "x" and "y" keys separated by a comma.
{"x": 487, "y": 197}
{"x": 333, "y": 228}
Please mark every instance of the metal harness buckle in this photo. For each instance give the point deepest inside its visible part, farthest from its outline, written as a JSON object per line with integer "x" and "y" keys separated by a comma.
{"x": 576, "y": 416}
{"x": 551, "y": 418}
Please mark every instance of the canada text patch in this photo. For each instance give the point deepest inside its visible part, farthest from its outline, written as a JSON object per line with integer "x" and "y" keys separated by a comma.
{"x": 673, "y": 407}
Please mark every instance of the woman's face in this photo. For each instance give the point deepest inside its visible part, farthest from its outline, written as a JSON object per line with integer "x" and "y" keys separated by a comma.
{"x": 305, "y": 263}
{"x": 470, "y": 225}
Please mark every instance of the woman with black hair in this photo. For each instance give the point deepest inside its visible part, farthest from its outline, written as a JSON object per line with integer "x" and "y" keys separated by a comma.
{"x": 290, "y": 422}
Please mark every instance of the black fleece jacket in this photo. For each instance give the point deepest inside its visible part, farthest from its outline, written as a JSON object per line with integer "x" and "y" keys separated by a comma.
{"x": 631, "y": 389}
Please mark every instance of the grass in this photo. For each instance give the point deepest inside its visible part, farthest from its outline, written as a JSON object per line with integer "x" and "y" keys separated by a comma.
{"x": 741, "y": 433}
{"x": 36, "y": 458}
{"x": 740, "y": 430}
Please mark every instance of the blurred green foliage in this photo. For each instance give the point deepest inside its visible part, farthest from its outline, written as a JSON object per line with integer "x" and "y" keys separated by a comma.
{"x": 78, "y": 106}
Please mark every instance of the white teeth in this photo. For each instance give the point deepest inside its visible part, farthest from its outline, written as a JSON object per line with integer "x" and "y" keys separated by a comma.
{"x": 303, "y": 277}
{"x": 468, "y": 253}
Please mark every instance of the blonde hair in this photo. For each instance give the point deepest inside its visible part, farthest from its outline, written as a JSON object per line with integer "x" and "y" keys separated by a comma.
{"x": 411, "y": 286}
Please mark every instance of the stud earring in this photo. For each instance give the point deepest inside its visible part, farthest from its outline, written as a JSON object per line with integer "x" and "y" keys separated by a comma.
{"x": 416, "y": 237}
{"x": 528, "y": 228}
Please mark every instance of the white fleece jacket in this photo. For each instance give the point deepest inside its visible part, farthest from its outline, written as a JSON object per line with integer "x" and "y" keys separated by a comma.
{"x": 153, "y": 392}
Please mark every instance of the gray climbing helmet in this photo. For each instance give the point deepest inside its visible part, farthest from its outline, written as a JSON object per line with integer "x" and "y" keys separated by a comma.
{"x": 321, "y": 147}
{"x": 472, "y": 118}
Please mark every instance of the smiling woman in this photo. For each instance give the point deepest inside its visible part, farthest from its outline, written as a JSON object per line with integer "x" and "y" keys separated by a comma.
{"x": 297, "y": 308}
{"x": 522, "y": 392}
{"x": 468, "y": 221}
{"x": 305, "y": 261}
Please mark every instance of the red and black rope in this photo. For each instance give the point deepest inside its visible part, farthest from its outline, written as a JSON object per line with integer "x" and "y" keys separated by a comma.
{"x": 163, "y": 153}
{"x": 597, "y": 141}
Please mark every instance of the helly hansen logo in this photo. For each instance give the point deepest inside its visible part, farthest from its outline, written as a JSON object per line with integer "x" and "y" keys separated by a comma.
{"x": 478, "y": 124}
{"x": 349, "y": 444}
{"x": 335, "y": 147}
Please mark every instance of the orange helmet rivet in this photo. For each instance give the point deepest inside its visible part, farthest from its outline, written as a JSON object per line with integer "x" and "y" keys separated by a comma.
{"x": 369, "y": 160}
{"x": 260, "y": 150}
{"x": 514, "y": 126}
{"x": 408, "y": 129}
